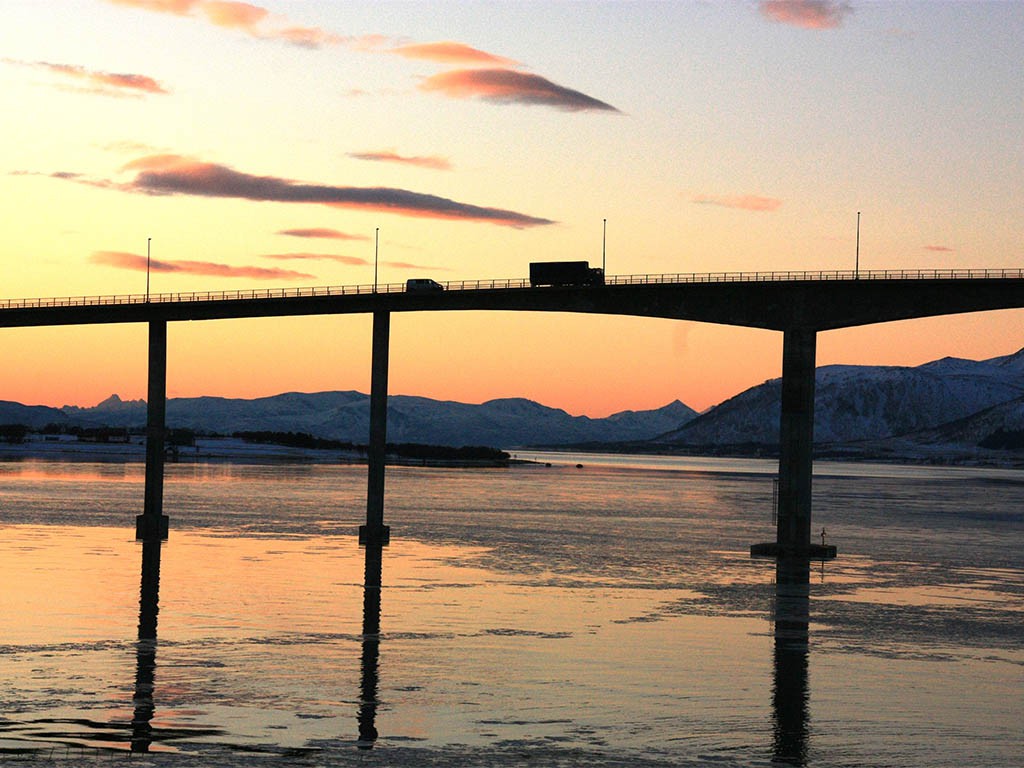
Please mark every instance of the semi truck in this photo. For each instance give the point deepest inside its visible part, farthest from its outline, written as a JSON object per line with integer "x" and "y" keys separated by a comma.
{"x": 565, "y": 273}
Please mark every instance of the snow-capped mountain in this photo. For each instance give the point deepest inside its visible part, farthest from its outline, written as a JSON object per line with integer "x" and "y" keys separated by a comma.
{"x": 855, "y": 403}
{"x": 346, "y": 416}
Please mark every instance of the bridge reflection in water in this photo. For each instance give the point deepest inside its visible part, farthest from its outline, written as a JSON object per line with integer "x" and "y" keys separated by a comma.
{"x": 790, "y": 689}
{"x": 370, "y": 658}
{"x": 145, "y": 667}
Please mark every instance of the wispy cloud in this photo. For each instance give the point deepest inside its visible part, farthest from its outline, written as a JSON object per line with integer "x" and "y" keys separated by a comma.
{"x": 807, "y": 14}
{"x": 253, "y": 20}
{"x": 138, "y": 263}
{"x": 103, "y": 83}
{"x": 433, "y": 162}
{"x": 451, "y": 53}
{"x": 741, "y": 202}
{"x": 506, "y": 86}
{"x": 351, "y": 260}
{"x": 322, "y": 232}
{"x": 177, "y": 175}
{"x": 940, "y": 248}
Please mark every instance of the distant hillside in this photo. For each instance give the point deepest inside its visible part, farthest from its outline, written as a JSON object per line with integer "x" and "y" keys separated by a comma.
{"x": 35, "y": 416}
{"x": 854, "y": 404}
{"x": 345, "y": 416}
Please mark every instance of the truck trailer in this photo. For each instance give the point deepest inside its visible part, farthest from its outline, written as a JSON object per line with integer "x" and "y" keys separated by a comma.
{"x": 565, "y": 273}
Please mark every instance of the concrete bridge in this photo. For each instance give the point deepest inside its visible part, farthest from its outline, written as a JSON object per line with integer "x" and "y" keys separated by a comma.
{"x": 799, "y": 304}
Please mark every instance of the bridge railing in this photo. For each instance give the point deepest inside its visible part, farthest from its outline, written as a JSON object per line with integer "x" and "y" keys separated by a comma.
{"x": 507, "y": 284}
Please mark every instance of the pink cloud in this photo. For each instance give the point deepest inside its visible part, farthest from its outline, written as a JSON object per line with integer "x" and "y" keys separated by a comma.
{"x": 806, "y": 14}
{"x": 177, "y": 175}
{"x": 742, "y": 202}
{"x": 506, "y": 86}
{"x": 940, "y": 248}
{"x": 451, "y": 53}
{"x": 106, "y": 83}
{"x": 431, "y": 161}
{"x": 322, "y": 232}
{"x": 137, "y": 263}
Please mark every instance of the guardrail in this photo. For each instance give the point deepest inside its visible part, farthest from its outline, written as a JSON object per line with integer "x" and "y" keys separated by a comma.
{"x": 486, "y": 285}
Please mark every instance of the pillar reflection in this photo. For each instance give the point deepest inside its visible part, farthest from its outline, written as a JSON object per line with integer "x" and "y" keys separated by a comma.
{"x": 145, "y": 668}
{"x": 790, "y": 691}
{"x": 371, "y": 646}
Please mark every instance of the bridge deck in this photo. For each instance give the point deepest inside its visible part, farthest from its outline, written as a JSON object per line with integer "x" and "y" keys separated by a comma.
{"x": 775, "y": 300}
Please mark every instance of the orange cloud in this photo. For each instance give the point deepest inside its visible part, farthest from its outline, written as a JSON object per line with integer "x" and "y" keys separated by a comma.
{"x": 407, "y": 265}
{"x": 234, "y": 15}
{"x": 177, "y": 175}
{"x": 742, "y": 202}
{"x": 137, "y": 263}
{"x": 177, "y": 7}
{"x": 807, "y": 14}
{"x": 321, "y": 232}
{"x": 353, "y": 260}
{"x": 506, "y": 86}
{"x": 940, "y": 248}
{"x": 434, "y": 162}
{"x": 451, "y": 53}
{"x": 251, "y": 19}
{"x": 105, "y": 83}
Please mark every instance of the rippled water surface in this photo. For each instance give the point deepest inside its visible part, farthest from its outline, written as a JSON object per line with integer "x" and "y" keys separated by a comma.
{"x": 600, "y": 615}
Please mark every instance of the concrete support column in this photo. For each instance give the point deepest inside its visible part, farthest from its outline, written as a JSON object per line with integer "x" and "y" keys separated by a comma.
{"x": 796, "y": 441}
{"x": 375, "y": 530}
{"x": 152, "y": 523}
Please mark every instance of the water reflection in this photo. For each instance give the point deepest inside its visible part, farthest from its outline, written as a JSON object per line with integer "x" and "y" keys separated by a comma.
{"x": 145, "y": 668}
{"x": 371, "y": 647}
{"x": 790, "y": 690}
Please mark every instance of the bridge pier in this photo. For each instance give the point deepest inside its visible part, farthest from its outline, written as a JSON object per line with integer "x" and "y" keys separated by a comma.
{"x": 796, "y": 445}
{"x": 152, "y": 524}
{"x": 375, "y": 532}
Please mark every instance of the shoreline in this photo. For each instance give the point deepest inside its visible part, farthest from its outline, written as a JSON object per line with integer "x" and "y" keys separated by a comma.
{"x": 216, "y": 450}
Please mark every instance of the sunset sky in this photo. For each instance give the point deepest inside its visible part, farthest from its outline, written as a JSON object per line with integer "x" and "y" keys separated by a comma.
{"x": 262, "y": 145}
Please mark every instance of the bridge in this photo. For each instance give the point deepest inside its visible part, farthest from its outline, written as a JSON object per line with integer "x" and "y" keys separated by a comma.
{"x": 798, "y": 304}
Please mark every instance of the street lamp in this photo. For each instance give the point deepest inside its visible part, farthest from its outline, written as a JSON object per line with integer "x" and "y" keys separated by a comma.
{"x": 148, "y": 240}
{"x": 376, "y": 244}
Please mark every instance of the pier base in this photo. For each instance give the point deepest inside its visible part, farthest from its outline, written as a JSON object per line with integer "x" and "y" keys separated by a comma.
{"x": 374, "y": 534}
{"x": 811, "y": 552}
{"x": 151, "y": 527}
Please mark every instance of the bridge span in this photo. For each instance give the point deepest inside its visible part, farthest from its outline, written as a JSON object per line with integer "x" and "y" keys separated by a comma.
{"x": 799, "y": 304}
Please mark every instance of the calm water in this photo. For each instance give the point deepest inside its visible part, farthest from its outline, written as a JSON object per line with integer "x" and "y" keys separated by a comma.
{"x": 606, "y": 615}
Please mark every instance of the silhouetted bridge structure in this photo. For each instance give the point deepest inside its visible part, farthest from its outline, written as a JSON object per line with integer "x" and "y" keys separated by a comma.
{"x": 799, "y": 304}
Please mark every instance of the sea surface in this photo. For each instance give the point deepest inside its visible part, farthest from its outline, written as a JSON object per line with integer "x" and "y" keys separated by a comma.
{"x": 546, "y": 614}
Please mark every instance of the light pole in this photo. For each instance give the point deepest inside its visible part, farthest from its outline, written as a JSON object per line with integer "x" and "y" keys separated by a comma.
{"x": 604, "y": 242}
{"x": 148, "y": 240}
{"x": 856, "y": 264}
